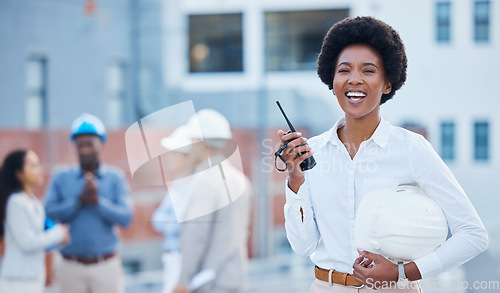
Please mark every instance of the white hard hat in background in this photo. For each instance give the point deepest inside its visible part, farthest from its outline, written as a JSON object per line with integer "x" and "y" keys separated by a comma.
{"x": 179, "y": 140}
{"x": 209, "y": 124}
{"x": 88, "y": 124}
{"x": 400, "y": 223}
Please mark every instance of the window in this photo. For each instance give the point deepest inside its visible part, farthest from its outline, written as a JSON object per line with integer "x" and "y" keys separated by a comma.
{"x": 116, "y": 93}
{"x": 36, "y": 92}
{"x": 482, "y": 21}
{"x": 293, "y": 39}
{"x": 443, "y": 22}
{"x": 215, "y": 43}
{"x": 448, "y": 140}
{"x": 481, "y": 141}
{"x": 415, "y": 127}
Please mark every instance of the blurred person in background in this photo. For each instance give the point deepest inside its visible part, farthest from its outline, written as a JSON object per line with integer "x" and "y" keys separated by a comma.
{"x": 214, "y": 236}
{"x": 23, "y": 225}
{"x": 94, "y": 199}
{"x": 177, "y": 168}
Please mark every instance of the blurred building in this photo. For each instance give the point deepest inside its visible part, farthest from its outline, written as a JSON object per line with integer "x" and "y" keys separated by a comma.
{"x": 61, "y": 58}
{"x": 125, "y": 60}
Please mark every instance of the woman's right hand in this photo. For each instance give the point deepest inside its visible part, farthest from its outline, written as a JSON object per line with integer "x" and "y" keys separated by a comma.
{"x": 296, "y": 145}
{"x": 66, "y": 237}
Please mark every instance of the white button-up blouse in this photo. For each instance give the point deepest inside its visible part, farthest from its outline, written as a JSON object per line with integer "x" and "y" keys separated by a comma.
{"x": 333, "y": 189}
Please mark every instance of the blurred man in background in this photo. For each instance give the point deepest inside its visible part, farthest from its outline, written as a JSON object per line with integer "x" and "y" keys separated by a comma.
{"x": 215, "y": 232}
{"x": 93, "y": 198}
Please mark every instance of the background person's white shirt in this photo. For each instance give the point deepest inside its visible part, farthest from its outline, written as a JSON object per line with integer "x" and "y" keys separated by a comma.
{"x": 26, "y": 240}
{"x": 333, "y": 189}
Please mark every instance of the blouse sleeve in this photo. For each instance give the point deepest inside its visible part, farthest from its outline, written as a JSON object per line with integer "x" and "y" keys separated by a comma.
{"x": 300, "y": 224}
{"x": 469, "y": 237}
{"x": 18, "y": 223}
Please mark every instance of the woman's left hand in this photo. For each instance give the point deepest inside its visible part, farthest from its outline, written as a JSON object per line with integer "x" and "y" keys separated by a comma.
{"x": 375, "y": 270}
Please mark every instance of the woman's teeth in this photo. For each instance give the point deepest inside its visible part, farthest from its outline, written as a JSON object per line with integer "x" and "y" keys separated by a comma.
{"x": 356, "y": 97}
{"x": 355, "y": 94}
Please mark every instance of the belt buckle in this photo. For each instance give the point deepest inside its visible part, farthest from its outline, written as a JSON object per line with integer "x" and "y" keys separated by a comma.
{"x": 330, "y": 281}
{"x": 357, "y": 287}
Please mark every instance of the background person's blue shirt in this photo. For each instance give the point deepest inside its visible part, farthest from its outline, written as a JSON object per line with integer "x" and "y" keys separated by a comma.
{"x": 91, "y": 226}
{"x": 165, "y": 222}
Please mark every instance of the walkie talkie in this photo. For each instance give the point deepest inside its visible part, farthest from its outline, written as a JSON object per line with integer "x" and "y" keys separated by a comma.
{"x": 307, "y": 164}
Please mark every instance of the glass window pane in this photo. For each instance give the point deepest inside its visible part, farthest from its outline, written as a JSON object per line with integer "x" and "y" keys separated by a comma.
{"x": 116, "y": 94}
{"x": 215, "y": 43}
{"x": 36, "y": 88}
{"x": 482, "y": 10}
{"x": 448, "y": 140}
{"x": 481, "y": 141}
{"x": 481, "y": 21}
{"x": 482, "y": 33}
{"x": 443, "y": 21}
{"x": 293, "y": 39}
{"x": 34, "y": 110}
{"x": 34, "y": 72}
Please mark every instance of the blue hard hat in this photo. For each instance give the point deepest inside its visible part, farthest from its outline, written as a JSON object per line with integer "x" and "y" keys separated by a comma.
{"x": 88, "y": 124}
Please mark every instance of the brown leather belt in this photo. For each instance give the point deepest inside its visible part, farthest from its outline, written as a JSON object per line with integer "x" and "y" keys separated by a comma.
{"x": 89, "y": 260}
{"x": 336, "y": 277}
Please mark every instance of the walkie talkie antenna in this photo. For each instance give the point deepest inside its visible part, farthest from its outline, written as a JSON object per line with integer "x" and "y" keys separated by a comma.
{"x": 307, "y": 164}
{"x": 286, "y": 118}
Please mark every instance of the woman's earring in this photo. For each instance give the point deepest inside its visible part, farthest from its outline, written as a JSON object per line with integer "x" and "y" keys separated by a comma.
{"x": 333, "y": 92}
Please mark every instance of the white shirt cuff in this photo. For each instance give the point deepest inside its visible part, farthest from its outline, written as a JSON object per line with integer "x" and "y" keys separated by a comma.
{"x": 55, "y": 235}
{"x": 299, "y": 199}
{"x": 429, "y": 265}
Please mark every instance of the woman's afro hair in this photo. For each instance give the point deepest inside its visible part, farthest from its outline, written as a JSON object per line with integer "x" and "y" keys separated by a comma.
{"x": 369, "y": 31}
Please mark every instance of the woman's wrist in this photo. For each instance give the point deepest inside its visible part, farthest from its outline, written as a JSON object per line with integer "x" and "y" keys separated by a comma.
{"x": 412, "y": 272}
{"x": 294, "y": 182}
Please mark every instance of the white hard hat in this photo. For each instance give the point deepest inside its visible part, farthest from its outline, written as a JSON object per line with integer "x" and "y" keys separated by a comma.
{"x": 209, "y": 124}
{"x": 400, "y": 223}
{"x": 88, "y": 124}
{"x": 179, "y": 140}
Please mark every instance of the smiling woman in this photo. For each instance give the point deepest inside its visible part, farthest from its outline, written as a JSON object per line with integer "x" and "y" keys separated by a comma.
{"x": 363, "y": 61}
